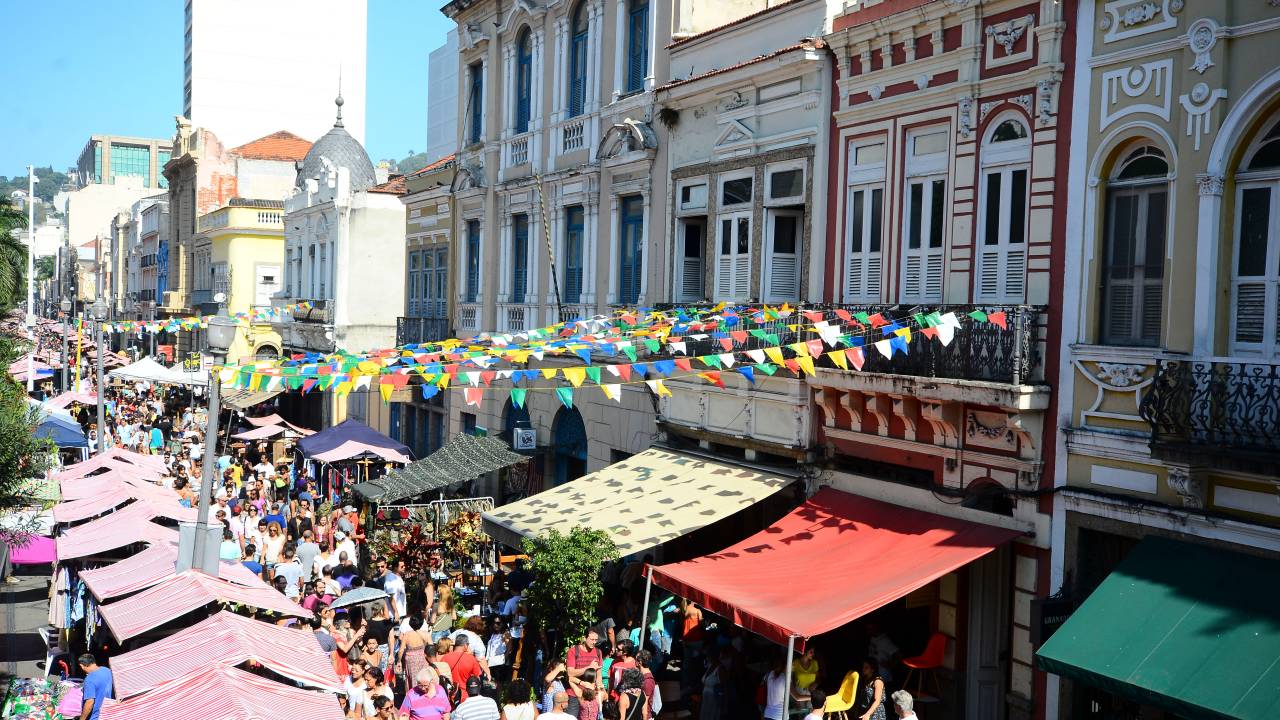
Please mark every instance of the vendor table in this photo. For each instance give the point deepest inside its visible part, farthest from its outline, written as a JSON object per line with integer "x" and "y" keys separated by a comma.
{"x": 40, "y": 699}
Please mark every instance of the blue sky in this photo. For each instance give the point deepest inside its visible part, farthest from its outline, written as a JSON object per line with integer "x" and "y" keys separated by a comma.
{"x": 116, "y": 67}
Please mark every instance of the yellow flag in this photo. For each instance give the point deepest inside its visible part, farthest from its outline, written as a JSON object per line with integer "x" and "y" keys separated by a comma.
{"x": 806, "y": 364}
{"x": 839, "y": 359}
{"x": 775, "y": 355}
{"x": 904, "y": 333}
{"x": 575, "y": 375}
{"x": 548, "y": 373}
{"x": 386, "y": 389}
{"x": 369, "y": 367}
{"x": 443, "y": 380}
{"x": 800, "y": 349}
{"x": 659, "y": 387}
{"x": 613, "y": 391}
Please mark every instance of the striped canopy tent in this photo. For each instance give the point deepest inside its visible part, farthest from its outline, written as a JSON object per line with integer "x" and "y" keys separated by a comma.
{"x": 63, "y": 400}
{"x": 162, "y": 499}
{"x": 226, "y": 693}
{"x": 106, "y": 461}
{"x": 152, "y": 567}
{"x": 80, "y": 488}
{"x": 225, "y": 640}
{"x": 127, "y": 526}
{"x": 186, "y": 592}
{"x": 274, "y": 419}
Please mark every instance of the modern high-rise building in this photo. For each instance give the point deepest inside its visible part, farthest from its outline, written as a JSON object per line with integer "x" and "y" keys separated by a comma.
{"x": 252, "y": 68}
{"x": 442, "y": 99}
{"x": 107, "y": 158}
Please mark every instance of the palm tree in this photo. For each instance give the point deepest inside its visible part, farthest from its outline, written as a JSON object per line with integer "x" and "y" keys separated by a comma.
{"x": 13, "y": 253}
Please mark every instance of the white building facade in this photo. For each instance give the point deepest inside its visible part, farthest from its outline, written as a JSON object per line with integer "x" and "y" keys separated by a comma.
{"x": 252, "y": 68}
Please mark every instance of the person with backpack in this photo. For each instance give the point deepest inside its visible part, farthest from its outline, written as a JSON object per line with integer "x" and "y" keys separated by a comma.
{"x": 582, "y": 657}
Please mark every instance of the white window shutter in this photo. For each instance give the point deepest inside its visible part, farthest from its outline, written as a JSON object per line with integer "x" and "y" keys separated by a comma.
{"x": 724, "y": 277}
{"x": 1015, "y": 273}
{"x": 742, "y": 277}
{"x": 933, "y": 277}
{"x": 782, "y": 278}
{"x": 691, "y": 278}
{"x": 871, "y": 281}
{"x": 1250, "y": 312}
{"x": 989, "y": 275}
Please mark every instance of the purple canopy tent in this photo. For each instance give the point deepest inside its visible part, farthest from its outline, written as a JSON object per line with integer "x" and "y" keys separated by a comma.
{"x": 349, "y": 440}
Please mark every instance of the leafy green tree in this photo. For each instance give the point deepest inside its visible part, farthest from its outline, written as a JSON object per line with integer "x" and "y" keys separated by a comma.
{"x": 567, "y": 587}
{"x": 22, "y": 455}
{"x": 13, "y": 254}
{"x": 45, "y": 267}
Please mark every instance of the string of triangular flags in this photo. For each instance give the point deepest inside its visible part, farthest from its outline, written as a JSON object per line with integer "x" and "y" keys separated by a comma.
{"x": 475, "y": 371}
{"x": 191, "y": 322}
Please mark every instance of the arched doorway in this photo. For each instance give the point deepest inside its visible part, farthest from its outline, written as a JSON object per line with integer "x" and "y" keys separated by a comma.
{"x": 513, "y": 416}
{"x": 569, "y": 438}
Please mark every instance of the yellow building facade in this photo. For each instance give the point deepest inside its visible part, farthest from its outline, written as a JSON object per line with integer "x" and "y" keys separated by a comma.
{"x": 239, "y": 252}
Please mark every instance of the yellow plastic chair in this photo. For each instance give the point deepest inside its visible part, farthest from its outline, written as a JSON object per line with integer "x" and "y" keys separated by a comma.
{"x": 841, "y": 703}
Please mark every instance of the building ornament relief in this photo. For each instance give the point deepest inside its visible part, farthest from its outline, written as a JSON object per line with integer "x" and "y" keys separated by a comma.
{"x": 1210, "y": 185}
{"x": 1007, "y": 34}
{"x": 1198, "y": 104}
{"x": 1120, "y": 375}
{"x": 1128, "y": 18}
{"x": 1152, "y": 82}
{"x": 1202, "y": 36}
{"x": 1188, "y": 487}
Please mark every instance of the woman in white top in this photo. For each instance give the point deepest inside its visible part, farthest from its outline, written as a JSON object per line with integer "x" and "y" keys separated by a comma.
{"x": 375, "y": 684}
{"x": 496, "y": 651}
{"x": 775, "y": 685}
{"x": 517, "y": 701}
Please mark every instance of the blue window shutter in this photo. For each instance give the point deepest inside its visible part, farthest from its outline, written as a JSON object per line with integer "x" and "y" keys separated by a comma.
{"x": 573, "y": 255}
{"x": 520, "y": 259}
{"x": 630, "y": 249}
{"x": 578, "y": 62}
{"x": 637, "y": 45}
{"x": 524, "y": 80}
{"x": 476, "y": 101}
{"x": 473, "y": 260}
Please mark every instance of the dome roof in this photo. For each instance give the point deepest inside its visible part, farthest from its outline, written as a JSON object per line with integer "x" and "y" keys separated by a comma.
{"x": 343, "y": 151}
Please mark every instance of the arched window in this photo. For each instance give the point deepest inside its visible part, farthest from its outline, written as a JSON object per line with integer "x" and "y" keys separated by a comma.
{"x": 1255, "y": 275}
{"x": 1002, "y": 229}
{"x": 524, "y": 80}
{"x": 578, "y": 60}
{"x": 569, "y": 437}
{"x": 637, "y": 44}
{"x": 1134, "y": 249}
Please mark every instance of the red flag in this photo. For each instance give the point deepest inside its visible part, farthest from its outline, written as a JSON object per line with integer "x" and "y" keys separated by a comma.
{"x": 624, "y": 372}
{"x": 929, "y": 332}
{"x": 844, "y": 315}
{"x": 813, "y": 315}
{"x": 739, "y": 336}
{"x": 815, "y": 347}
{"x": 855, "y": 357}
{"x": 487, "y": 376}
{"x": 998, "y": 318}
{"x": 792, "y": 365}
{"x": 727, "y": 344}
{"x": 684, "y": 364}
{"x": 877, "y": 321}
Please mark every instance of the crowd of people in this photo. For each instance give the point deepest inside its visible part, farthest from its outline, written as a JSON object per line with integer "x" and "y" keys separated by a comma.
{"x": 422, "y": 652}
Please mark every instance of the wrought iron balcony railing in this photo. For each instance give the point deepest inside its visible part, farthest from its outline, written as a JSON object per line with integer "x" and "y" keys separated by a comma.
{"x": 1212, "y": 411}
{"x": 978, "y": 351}
{"x": 414, "y": 330}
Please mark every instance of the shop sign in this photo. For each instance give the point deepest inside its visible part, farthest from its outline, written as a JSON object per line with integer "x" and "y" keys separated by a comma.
{"x": 523, "y": 439}
{"x": 1047, "y": 615}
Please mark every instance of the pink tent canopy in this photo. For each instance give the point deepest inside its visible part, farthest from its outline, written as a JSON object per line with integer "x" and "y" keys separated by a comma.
{"x": 226, "y": 693}
{"x": 151, "y": 567}
{"x": 260, "y": 433}
{"x": 274, "y": 419}
{"x": 34, "y": 550}
{"x": 163, "y": 500}
{"x": 131, "y": 524}
{"x": 110, "y": 462}
{"x": 62, "y": 401}
{"x": 80, "y": 488}
{"x": 184, "y": 592}
{"x": 224, "y": 640}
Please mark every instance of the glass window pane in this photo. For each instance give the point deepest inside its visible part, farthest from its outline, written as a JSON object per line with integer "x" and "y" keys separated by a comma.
{"x": 1018, "y": 206}
{"x": 868, "y": 154}
{"x": 786, "y": 183}
{"x": 877, "y": 201}
{"x": 1124, "y": 222}
{"x": 693, "y": 197}
{"x": 855, "y": 239}
{"x": 991, "y": 215}
{"x": 936, "y": 213}
{"x": 1154, "y": 235}
{"x": 744, "y": 236}
{"x": 736, "y": 192}
{"x": 785, "y": 230}
{"x": 929, "y": 144}
{"x": 726, "y": 236}
{"x": 692, "y": 240}
{"x": 1255, "y": 221}
{"x": 917, "y": 215}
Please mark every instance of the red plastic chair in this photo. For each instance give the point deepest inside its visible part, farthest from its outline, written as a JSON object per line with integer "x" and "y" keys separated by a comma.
{"x": 927, "y": 662}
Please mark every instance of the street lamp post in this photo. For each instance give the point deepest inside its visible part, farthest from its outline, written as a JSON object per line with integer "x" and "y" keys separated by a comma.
{"x": 31, "y": 273}
{"x": 99, "y": 310}
{"x": 65, "y": 306}
{"x": 204, "y": 547}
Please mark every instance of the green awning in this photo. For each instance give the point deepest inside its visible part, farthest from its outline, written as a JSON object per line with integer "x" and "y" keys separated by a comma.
{"x": 1187, "y": 628}
{"x": 463, "y": 458}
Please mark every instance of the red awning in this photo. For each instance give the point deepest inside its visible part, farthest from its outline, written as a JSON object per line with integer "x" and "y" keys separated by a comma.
{"x": 830, "y": 561}
{"x": 183, "y": 593}
{"x": 228, "y": 694}
{"x": 152, "y": 567}
{"x": 225, "y": 640}
{"x": 116, "y": 458}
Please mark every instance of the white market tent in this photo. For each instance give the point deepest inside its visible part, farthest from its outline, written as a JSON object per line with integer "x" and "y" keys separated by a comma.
{"x": 149, "y": 370}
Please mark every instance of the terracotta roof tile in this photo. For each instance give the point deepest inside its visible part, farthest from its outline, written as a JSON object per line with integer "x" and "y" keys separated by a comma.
{"x": 282, "y": 145}
{"x": 394, "y": 186}
{"x": 803, "y": 45}
{"x": 442, "y": 162}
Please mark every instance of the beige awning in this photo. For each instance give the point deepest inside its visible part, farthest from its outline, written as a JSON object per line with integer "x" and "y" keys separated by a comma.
{"x": 245, "y": 399}
{"x": 643, "y": 501}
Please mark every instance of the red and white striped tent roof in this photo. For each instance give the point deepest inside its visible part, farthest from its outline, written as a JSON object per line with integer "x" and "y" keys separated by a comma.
{"x": 152, "y": 567}
{"x": 225, "y": 640}
{"x": 226, "y": 693}
{"x": 62, "y": 400}
{"x": 113, "y": 457}
{"x": 131, "y": 524}
{"x": 103, "y": 462}
{"x": 183, "y": 593}
{"x": 84, "y": 487}
{"x": 274, "y": 419}
{"x": 162, "y": 499}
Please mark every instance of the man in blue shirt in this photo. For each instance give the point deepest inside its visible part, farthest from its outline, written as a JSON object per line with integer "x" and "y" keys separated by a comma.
{"x": 97, "y": 687}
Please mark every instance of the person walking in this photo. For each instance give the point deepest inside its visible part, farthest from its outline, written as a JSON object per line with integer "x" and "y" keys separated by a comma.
{"x": 872, "y": 704}
{"x": 903, "y": 705}
{"x": 97, "y": 687}
{"x": 477, "y": 706}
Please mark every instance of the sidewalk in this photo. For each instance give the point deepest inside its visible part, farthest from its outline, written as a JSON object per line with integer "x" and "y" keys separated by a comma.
{"x": 25, "y": 607}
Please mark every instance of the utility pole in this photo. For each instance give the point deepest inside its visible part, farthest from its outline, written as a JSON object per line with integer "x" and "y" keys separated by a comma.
{"x": 31, "y": 276}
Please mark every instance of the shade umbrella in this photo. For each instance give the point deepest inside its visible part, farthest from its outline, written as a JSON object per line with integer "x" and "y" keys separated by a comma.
{"x": 359, "y": 595}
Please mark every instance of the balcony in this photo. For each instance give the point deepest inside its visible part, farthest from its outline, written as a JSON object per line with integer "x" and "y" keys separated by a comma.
{"x": 469, "y": 317}
{"x": 573, "y": 134}
{"x": 517, "y": 150}
{"x": 1221, "y": 413}
{"x": 416, "y": 330}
